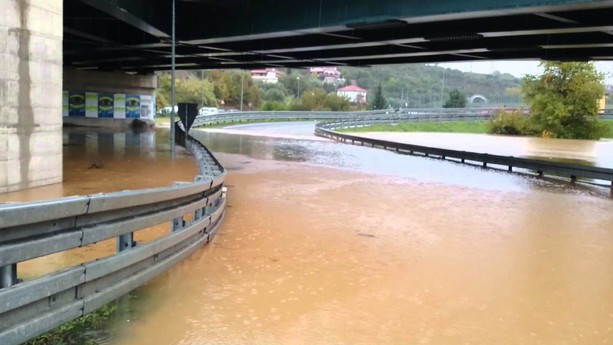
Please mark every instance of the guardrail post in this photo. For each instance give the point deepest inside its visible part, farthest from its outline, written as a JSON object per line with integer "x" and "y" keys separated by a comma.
{"x": 8, "y": 275}
{"x": 177, "y": 224}
{"x": 125, "y": 241}
{"x": 197, "y": 214}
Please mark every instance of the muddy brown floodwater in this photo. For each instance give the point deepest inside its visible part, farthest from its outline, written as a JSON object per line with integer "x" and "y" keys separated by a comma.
{"x": 325, "y": 243}
{"x": 98, "y": 160}
{"x": 311, "y": 254}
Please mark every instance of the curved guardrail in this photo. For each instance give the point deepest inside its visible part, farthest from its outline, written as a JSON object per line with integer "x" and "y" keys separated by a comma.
{"x": 380, "y": 116}
{"x": 207, "y": 120}
{"x": 194, "y": 210}
{"x": 573, "y": 171}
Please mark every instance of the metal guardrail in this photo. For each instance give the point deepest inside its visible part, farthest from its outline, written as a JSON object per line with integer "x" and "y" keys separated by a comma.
{"x": 194, "y": 210}
{"x": 207, "y": 120}
{"x": 540, "y": 167}
{"x": 389, "y": 115}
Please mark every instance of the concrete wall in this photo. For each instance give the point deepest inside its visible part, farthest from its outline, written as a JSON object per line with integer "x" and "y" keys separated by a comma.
{"x": 93, "y": 98}
{"x": 30, "y": 93}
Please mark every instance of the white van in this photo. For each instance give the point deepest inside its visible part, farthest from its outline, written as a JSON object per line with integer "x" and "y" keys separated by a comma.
{"x": 204, "y": 111}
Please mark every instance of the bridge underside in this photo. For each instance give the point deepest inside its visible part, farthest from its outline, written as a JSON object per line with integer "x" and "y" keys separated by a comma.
{"x": 134, "y": 35}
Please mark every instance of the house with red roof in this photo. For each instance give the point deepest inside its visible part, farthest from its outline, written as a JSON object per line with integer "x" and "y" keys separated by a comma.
{"x": 354, "y": 93}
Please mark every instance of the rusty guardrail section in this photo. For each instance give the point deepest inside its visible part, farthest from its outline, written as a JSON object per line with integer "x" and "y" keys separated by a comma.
{"x": 539, "y": 167}
{"x": 194, "y": 210}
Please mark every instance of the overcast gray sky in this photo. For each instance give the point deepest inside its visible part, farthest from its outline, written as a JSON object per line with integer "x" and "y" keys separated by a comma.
{"x": 518, "y": 68}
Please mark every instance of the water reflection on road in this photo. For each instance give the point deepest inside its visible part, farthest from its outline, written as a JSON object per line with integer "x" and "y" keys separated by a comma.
{"x": 296, "y": 142}
{"x": 326, "y": 243}
{"x": 102, "y": 160}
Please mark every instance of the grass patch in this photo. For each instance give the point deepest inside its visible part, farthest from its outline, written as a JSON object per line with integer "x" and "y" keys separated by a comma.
{"x": 81, "y": 331}
{"x": 448, "y": 127}
{"x": 609, "y": 124}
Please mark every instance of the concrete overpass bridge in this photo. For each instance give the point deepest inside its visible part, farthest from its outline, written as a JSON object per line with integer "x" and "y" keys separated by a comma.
{"x": 134, "y": 35}
{"x": 93, "y": 60}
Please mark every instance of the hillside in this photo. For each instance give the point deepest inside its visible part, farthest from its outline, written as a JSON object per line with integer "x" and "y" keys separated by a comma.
{"x": 413, "y": 86}
{"x": 420, "y": 85}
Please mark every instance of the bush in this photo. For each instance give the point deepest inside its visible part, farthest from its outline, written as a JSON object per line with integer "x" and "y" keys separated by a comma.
{"x": 509, "y": 123}
{"x": 274, "y": 106}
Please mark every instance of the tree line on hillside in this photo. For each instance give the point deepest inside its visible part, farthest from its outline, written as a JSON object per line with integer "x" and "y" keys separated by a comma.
{"x": 428, "y": 86}
{"x": 413, "y": 86}
{"x": 563, "y": 101}
{"x": 216, "y": 88}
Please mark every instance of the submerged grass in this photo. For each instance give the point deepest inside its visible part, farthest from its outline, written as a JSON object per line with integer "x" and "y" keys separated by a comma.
{"x": 478, "y": 127}
{"x": 81, "y": 331}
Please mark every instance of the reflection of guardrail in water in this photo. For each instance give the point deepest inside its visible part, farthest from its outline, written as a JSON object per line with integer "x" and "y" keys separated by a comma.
{"x": 194, "y": 210}
{"x": 389, "y": 115}
{"x": 573, "y": 171}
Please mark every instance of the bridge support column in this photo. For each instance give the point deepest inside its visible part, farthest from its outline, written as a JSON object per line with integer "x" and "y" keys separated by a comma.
{"x": 31, "y": 33}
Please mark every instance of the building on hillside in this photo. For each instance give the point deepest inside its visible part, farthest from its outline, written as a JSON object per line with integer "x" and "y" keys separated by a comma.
{"x": 267, "y": 75}
{"x": 354, "y": 93}
{"x": 329, "y": 75}
{"x": 603, "y": 104}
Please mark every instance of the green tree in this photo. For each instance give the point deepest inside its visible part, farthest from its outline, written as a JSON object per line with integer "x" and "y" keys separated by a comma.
{"x": 379, "y": 101}
{"x": 188, "y": 90}
{"x": 564, "y": 100}
{"x": 456, "y": 99}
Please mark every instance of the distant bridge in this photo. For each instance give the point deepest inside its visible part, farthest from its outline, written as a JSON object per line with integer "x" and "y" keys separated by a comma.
{"x": 473, "y": 98}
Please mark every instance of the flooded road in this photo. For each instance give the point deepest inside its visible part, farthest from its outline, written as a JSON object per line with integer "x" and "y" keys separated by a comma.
{"x": 98, "y": 160}
{"x": 327, "y": 243}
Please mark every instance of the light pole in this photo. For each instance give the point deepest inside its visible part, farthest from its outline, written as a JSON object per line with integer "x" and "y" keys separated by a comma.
{"x": 298, "y": 86}
{"x": 242, "y": 74}
{"x": 443, "y": 87}
{"x": 172, "y": 97}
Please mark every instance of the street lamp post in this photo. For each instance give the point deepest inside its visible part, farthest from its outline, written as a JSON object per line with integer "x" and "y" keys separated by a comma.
{"x": 298, "y": 86}
{"x": 443, "y": 88}
{"x": 172, "y": 96}
{"x": 242, "y": 74}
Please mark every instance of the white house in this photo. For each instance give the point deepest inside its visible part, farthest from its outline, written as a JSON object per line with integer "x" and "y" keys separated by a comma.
{"x": 329, "y": 75}
{"x": 354, "y": 93}
{"x": 267, "y": 75}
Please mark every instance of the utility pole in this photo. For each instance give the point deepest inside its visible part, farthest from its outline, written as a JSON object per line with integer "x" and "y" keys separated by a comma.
{"x": 443, "y": 87}
{"x": 172, "y": 82}
{"x": 298, "y": 86}
{"x": 242, "y": 75}
{"x": 202, "y": 86}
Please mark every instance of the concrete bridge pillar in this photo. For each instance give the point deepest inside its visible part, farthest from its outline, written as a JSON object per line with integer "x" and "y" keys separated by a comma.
{"x": 30, "y": 93}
